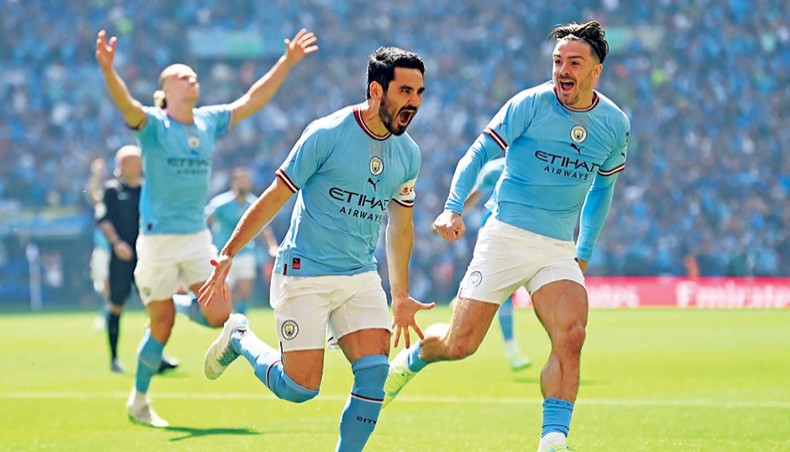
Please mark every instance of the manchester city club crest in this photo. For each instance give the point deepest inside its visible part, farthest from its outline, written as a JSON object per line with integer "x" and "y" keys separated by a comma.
{"x": 474, "y": 279}
{"x": 578, "y": 134}
{"x": 289, "y": 329}
{"x": 376, "y": 166}
{"x": 193, "y": 141}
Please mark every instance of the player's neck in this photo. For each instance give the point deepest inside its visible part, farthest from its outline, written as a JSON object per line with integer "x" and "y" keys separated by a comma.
{"x": 130, "y": 181}
{"x": 585, "y": 102}
{"x": 370, "y": 115}
{"x": 181, "y": 112}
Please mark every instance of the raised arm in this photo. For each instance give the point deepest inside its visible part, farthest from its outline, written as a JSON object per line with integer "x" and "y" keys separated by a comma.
{"x": 262, "y": 91}
{"x": 131, "y": 109}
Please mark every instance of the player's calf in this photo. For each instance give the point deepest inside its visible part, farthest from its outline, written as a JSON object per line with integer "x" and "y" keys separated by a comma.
{"x": 364, "y": 403}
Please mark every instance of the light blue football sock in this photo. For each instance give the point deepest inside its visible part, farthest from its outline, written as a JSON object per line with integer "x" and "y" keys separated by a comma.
{"x": 364, "y": 403}
{"x": 189, "y": 306}
{"x": 267, "y": 365}
{"x": 505, "y": 316}
{"x": 557, "y": 416}
{"x": 149, "y": 358}
{"x": 414, "y": 361}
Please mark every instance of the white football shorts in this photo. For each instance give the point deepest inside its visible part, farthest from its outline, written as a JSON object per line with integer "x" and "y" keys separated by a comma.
{"x": 243, "y": 268}
{"x": 165, "y": 259}
{"x": 308, "y": 308}
{"x": 100, "y": 268}
{"x": 507, "y": 257}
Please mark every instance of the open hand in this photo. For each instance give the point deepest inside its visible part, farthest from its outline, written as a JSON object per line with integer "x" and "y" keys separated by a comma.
{"x": 105, "y": 51}
{"x": 215, "y": 284}
{"x": 302, "y": 44}
{"x": 403, "y": 312}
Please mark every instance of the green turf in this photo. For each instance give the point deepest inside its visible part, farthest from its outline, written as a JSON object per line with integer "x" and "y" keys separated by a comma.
{"x": 652, "y": 380}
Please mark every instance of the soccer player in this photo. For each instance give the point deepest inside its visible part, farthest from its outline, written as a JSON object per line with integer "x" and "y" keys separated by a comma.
{"x": 177, "y": 140}
{"x": 222, "y": 214}
{"x": 484, "y": 186}
{"x": 118, "y": 218}
{"x": 100, "y": 255}
{"x": 350, "y": 169}
{"x": 565, "y": 144}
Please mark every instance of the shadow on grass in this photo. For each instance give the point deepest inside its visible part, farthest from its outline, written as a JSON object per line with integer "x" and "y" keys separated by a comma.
{"x": 193, "y": 432}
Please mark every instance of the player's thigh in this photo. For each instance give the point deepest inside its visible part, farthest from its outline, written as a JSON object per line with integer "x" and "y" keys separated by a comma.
{"x": 470, "y": 322}
{"x": 305, "y": 367}
{"x": 561, "y": 306}
{"x": 502, "y": 262}
{"x": 365, "y": 343}
{"x": 359, "y": 319}
{"x": 156, "y": 273}
{"x": 558, "y": 291}
{"x": 301, "y": 311}
{"x": 194, "y": 258}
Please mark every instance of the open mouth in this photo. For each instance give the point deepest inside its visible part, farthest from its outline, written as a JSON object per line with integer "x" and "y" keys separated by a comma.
{"x": 405, "y": 116}
{"x": 566, "y": 85}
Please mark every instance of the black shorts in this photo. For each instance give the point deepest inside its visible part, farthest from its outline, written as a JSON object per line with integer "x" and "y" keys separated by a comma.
{"x": 121, "y": 280}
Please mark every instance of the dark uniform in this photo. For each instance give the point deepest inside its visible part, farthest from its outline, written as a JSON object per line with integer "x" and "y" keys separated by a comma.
{"x": 120, "y": 206}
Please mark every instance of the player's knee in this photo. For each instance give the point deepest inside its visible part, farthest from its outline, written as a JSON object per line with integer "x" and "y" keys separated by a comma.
{"x": 572, "y": 339}
{"x": 460, "y": 349}
{"x": 287, "y": 389}
{"x": 217, "y": 319}
{"x": 162, "y": 326}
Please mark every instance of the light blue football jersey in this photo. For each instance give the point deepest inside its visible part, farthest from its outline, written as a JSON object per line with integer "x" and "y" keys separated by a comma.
{"x": 346, "y": 177}
{"x": 227, "y": 211}
{"x": 177, "y": 168}
{"x": 553, "y": 156}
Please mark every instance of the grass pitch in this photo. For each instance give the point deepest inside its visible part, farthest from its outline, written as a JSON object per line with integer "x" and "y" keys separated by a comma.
{"x": 652, "y": 380}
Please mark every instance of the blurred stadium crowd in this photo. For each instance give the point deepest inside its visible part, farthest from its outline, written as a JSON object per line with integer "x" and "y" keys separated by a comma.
{"x": 706, "y": 84}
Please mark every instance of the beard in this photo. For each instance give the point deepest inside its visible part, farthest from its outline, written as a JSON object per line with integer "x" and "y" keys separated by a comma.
{"x": 388, "y": 118}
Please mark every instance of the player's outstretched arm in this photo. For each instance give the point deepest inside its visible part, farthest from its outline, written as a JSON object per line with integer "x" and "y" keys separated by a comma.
{"x": 131, "y": 109}
{"x": 254, "y": 219}
{"x": 262, "y": 91}
{"x": 400, "y": 241}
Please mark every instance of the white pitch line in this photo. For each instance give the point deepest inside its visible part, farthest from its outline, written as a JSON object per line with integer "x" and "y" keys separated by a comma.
{"x": 405, "y": 399}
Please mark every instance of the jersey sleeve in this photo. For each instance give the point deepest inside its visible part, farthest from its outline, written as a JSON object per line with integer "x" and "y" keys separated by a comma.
{"x": 147, "y": 131}
{"x": 218, "y": 117}
{"x": 616, "y": 160}
{"x": 406, "y": 194}
{"x": 509, "y": 123}
{"x": 513, "y": 119}
{"x": 306, "y": 157}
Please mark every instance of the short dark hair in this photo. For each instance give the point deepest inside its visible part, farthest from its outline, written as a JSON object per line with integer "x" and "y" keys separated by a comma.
{"x": 590, "y": 32}
{"x": 382, "y": 64}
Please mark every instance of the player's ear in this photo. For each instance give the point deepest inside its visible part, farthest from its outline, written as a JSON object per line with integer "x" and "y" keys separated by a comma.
{"x": 376, "y": 90}
{"x": 598, "y": 69}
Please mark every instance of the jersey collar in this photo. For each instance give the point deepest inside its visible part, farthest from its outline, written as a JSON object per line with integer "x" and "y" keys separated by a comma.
{"x": 594, "y": 104}
{"x": 364, "y": 127}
